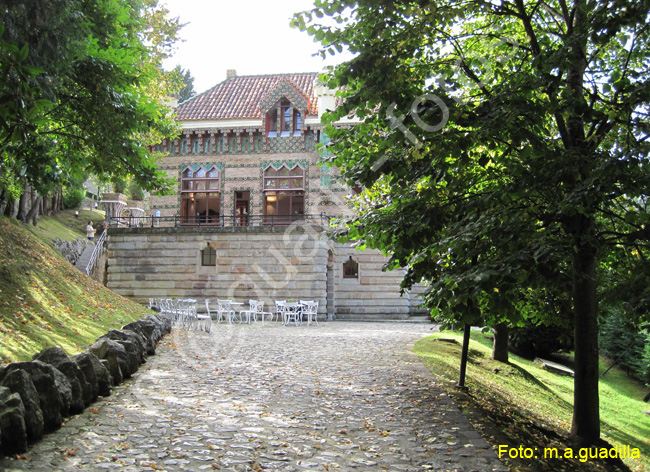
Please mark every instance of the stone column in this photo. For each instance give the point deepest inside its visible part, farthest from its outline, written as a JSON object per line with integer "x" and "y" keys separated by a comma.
{"x": 114, "y": 204}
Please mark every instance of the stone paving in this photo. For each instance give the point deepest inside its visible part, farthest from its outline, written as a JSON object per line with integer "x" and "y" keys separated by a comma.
{"x": 337, "y": 397}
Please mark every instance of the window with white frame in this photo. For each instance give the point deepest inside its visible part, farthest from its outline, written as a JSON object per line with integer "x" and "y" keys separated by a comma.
{"x": 284, "y": 194}
{"x": 201, "y": 196}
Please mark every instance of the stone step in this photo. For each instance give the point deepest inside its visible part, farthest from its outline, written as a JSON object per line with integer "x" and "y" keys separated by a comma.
{"x": 378, "y": 317}
{"x": 83, "y": 260}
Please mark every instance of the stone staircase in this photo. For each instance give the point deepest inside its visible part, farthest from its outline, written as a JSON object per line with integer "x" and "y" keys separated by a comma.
{"x": 83, "y": 260}
{"x": 388, "y": 317}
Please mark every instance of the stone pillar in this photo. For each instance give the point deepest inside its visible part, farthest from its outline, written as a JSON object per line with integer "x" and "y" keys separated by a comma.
{"x": 114, "y": 204}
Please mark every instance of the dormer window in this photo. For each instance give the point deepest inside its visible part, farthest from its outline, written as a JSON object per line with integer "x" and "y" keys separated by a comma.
{"x": 283, "y": 119}
{"x": 297, "y": 127}
{"x": 272, "y": 123}
{"x": 286, "y": 118}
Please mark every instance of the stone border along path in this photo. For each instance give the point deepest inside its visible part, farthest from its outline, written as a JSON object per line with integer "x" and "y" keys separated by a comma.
{"x": 341, "y": 396}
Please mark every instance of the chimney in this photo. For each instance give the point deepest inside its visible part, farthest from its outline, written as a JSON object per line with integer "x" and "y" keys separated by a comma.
{"x": 325, "y": 96}
{"x": 231, "y": 74}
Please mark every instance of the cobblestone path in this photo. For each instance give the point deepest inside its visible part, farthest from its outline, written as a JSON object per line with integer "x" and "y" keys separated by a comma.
{"x": 337, "y": 397}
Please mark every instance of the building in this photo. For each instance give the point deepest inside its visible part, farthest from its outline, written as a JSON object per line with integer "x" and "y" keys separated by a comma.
{"x": 250, "y": 215}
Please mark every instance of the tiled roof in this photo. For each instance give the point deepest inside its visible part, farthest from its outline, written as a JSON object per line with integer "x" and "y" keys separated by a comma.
{"x": 240, "y": 97}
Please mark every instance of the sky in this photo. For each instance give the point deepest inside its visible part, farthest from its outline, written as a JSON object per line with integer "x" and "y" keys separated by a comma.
{"x": 250, "y": 36}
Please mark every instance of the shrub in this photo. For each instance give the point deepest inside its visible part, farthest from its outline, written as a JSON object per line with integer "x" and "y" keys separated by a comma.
{"x": 73, "y": 197}
{"x": 119, "y": 185}
{"x": 532, "y": 340}
{"x": 621, "y": 341}
{"x": 135, "y": 192}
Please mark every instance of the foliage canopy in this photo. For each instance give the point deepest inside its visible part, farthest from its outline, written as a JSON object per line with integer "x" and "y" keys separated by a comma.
{"x": 82, "y": 90}
{"x": 503, "y": 149}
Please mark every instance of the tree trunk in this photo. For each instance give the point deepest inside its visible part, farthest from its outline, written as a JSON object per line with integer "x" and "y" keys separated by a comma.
{"x": 585, "y": 428}
{"x": 24, "y": 203}
{"x": 46, "y": 204}
{"x": 57, "y": 200}
{"x": 463, "y": 355}
{"x": 60, "y": 200}
{"x": 500, "y": 346}
{"x": 13, "y": 211}
{"x": 3, "y": 201}
{"x": 53, "y": 205}
{"x": 32, "y": 215}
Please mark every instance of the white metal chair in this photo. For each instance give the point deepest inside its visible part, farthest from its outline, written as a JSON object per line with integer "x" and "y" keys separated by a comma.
{"x": 280, "y": 309}
{"x": 187, "y": 312}
{"x": 220, "y": 317}
{"x": 292, "y": 313}
{"x": 251, "y": 312}
{"x": 203, "y": 321}
{"x": 226, "y": 310}
{"x": 310, "y": 308}
{"x": 262, "y": 313}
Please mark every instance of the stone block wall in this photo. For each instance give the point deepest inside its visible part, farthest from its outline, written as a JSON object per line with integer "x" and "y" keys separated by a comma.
{"x": 290, "y": 262}
{"x": 251, "y": 263}
{"x": 374, "y": 293}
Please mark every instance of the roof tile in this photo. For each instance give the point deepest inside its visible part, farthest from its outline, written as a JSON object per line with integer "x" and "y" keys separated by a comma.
{"x": 240, "y": 97}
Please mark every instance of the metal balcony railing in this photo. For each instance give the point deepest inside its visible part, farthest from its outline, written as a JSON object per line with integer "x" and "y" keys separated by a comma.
{"x": 218, "y": 221}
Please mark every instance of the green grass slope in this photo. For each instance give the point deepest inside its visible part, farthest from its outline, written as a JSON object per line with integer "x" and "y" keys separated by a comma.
{"x": 65, "y": 226}
{"x": 45, "y": 301}
{"x": 521, "y": 404}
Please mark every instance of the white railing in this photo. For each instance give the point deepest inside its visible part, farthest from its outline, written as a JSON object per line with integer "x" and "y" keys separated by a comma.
{"x": 98, "y": 252}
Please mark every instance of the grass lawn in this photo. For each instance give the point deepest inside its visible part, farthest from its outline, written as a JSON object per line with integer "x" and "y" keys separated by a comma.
{"x": 65, "y": 226}
{"x": 45, "y": 301}
{"x": 521, "y": 404}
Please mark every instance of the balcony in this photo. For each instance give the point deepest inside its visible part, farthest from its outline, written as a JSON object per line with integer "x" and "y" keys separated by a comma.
{"x": 219, "y": 221}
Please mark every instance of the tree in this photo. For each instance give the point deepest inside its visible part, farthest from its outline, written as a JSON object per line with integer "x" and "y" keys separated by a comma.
{"x": 503, "y": 148}
{"x": 85, "y": 87}
{"x": 187, "y": 90}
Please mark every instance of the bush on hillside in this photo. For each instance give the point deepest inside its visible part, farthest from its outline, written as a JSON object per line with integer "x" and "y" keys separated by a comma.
{"x": 73, "y": 197}
{"x": 621, "y": 341}
{"x": 532, "y": 340}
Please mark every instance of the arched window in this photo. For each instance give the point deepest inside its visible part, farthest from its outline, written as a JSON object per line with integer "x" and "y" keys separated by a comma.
{"x": 310, "y": 141}
{"x": 272, "y": 123}
{"x": 297, "y": 123}
{"x": 209, "y": 256}
{"x": 285, "y": 118}
{"x": 184, "y": 145}
{"x": 195, "y": 145}
{"x": 207, "y": 144}
{"x": 287, "y": 122}
{"x": 350, "y": 269}
{"x": 200, "y": 196}
{"x": 259, "y": 144}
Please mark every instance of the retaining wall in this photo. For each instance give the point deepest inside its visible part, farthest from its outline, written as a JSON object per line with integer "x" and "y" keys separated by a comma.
{"x": 267, "y": 263}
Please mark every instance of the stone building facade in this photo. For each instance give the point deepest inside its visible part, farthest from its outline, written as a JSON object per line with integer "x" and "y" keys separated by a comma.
{"x": 250, "y": 215}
